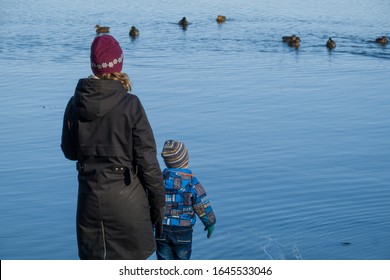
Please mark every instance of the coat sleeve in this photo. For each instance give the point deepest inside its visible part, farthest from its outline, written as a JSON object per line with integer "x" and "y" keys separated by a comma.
{"x": 68, "y": 144}
{"x": 201, "y": 204}
{"x": 145, "y": 157}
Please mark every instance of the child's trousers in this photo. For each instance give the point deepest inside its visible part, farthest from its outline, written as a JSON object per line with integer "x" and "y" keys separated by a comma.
{"x": 175, "y": 244}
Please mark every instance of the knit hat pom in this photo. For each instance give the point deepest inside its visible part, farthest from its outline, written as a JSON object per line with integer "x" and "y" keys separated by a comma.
{"x": 106, "y": 55}
{"x": 175, "y": 154}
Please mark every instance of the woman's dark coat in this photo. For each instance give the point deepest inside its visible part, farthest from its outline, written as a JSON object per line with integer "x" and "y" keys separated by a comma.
{"x": 107, "y": 131}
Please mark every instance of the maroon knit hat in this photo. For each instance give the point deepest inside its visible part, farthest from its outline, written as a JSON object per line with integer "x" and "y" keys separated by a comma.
{"x": 106, "y": 55}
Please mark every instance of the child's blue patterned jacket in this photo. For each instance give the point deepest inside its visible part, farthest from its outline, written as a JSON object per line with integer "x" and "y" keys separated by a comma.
{"x": 185, "y": 197}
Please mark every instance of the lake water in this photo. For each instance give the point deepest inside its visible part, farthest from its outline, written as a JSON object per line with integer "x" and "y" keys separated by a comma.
{"x": 291, "y": 145}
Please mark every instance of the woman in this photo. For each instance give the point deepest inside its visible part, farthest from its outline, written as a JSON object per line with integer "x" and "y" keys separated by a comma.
{"x": 121, "y": 191}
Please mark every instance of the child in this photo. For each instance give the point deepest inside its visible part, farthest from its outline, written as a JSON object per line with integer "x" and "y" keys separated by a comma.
{"x": 184, "y": 197}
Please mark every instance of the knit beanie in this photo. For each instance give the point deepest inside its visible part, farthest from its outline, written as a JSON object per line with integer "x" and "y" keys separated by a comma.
{"x": 106, "y": 55}
{"x": 175, "y": 154}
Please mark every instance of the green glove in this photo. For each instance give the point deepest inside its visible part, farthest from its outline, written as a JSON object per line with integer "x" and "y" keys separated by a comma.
{"x": 210, "y": 230}
{"x": 157, "y": 217}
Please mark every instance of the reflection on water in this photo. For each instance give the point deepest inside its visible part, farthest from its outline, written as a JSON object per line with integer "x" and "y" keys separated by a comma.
{"x": 291, "y": 145}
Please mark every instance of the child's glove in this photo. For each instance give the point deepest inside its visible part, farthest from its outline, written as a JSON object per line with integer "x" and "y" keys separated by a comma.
{"x": 210, "y": 230}
{"x": 157, "y": 217}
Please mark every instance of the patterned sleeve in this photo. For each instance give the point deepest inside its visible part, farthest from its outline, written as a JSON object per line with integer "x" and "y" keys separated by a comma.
{"x": 202, "y": 206}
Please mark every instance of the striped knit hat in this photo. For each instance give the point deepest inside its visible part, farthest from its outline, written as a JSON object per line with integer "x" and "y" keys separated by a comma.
{"x": 175, "y": 154}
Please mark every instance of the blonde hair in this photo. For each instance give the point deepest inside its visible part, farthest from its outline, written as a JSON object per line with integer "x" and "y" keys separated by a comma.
{"x": 118, "y": 76}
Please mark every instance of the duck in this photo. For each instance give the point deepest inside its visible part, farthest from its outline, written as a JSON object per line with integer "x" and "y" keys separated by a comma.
{"x": 102, "y": 29}
{"x": 134, "y": 32}
{"x": 286, "y": 39}
{"x": 382, "y": 40}
{"x": 330, "y": 44}
{"x": 294, "y": 41}
{"x": 183, "y": 22}
{"x": 221, "y": 18}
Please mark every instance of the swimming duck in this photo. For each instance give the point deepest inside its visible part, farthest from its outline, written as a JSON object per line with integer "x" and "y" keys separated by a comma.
{"x": 286, "y": 39}
{"x": 134, "y": 32}
{"x": 382, "y": 40}
{"x": 294, "y": 41}
{"x": 183, "y": 22}
{"x": 221, "y": 18}
{"x": 102, "y": 29}
{"x": 330, "y": 44}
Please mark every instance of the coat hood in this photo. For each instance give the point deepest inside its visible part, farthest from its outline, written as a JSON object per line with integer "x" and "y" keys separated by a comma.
{"x": 94, "y": 98}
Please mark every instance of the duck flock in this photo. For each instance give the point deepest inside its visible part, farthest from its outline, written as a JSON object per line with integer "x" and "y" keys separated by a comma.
{"x": 292, "y": 41}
